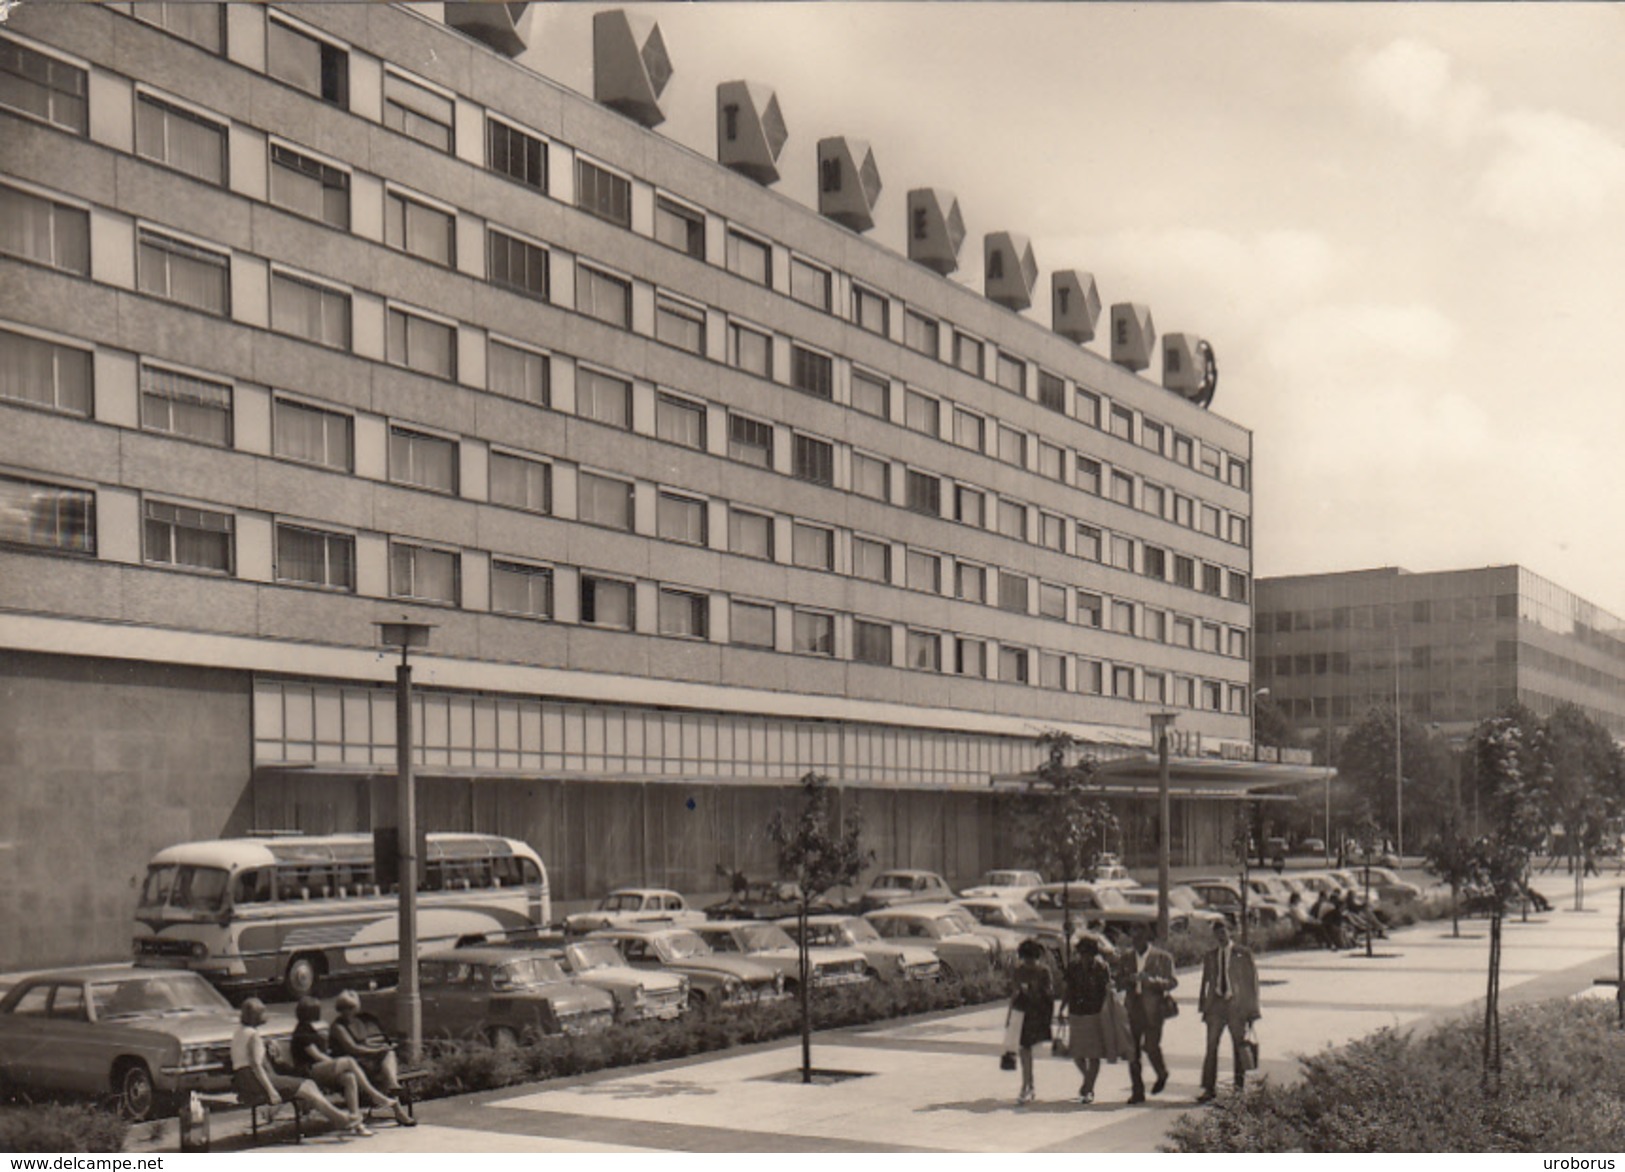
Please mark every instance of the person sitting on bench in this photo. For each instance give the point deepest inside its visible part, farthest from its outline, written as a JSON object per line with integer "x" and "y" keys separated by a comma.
{"x": 358, "y": 1035}
{"x": 254, "y": 1080}
{"x": 310, "y": 1058}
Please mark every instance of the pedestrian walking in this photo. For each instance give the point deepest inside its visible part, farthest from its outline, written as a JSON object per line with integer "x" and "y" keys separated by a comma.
{"x": 1146, "y": 975}
{"x": 1095, "y": 1021}
{"x": 1228, "y": 1001}
{"x": 1034, "y": 999}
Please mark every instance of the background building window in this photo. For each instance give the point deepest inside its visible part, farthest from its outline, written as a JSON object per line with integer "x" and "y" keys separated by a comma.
{"x": 417, "y": 111}
{"x": 1013, "y": 665}
{"x": 810, "y": 284}
{"x": 602, "y": 500}
{"x": 750, "y": 624}
{"x": 679, "y": 227}
{"x": 680, "y": 421}
{"x": 510, "y": 151}
{"x": 1051, "y": 670}
{"x": 177, "y": 138}
{"x": 47, "y": 516}
{"x": 1051, "y": 391}
{"x": 521, "y": 483}
{"x": 1122, "y": 617}
{"x": 970, "y": 430}
{"x": 924, "y": 651}
{"x": 871, "y": 477}
{"x": 184, "y": 273}
{"x": 428, "y": 461}
{"x": 970, "y": 658}
{"x": 603, "y": 194}
{"x": 750, "y": 258}
{"x": 812, "y": 547}
{"x": 315, "y": 557}
{"x": 1088, "y": 543}
{"x": 1091, "y": 609}
{"x": 684, "y": 615}
{"x": 181, "y": 404}
{"x": 967, "y": 354}
{"x": 811, "y": 372}
{"x": 320, "y": 69}
{"x": 923, "y": 493}
{"x": 680, "y": 325}
{"x": 1089, "y": 475}
{"x": 1154, "y": 562}
{"x": 607, "y": 602}
{"x": 680, "y": 518}
{"x": 1122, "y": 552}
{"x": 1013, "y": 519}
{"x": 870, "y": 310}
{"x": 813, "y": 459}
{"x": 42, "y": 230}
{"x": 607, "y": 298}
{"x": 813, "y": 633}
{"x": 316, "y": 313}
{"x": 871, "y": 642}
{"x": 517, "y": 373}
{"x": 871, "y": 395}
{"x": 422, "y": 344}
{"x": 202, "y": 24}
{"x": 418, "y": 229}
{"x": 1091, "y": 677}
{"x": 970, "y": 582}
{"x": 920, "y": 334}
{"x": 923, "y": 571}
{"x": 428, "y": 575}
{"x": 1086, "y": 405}
{"x": 1123, "y": 682}
{"x": 520, "y": 589}
{"x": 1012, "y": 373}
{"x": 44, "y": 374}
{"x": 750, "y": 534}
{"x": 922, "y": 413}
{"x": 310, "y": 187}
{"x": 314, "y": 436}
{"x": 970, "y": 507}
{"x": 1052, "y": 532}
{"x": 516, "y": 264}
{"x": 871, "y": 560}
{"x": 750, "y": 441}
{"x": 1013, "y": 592}
{"x": 603, "y": 398}
{"x": 1052, "y": 601}
{"x": 178, "y": 535}
{"x": 43, "y": 87}
{"x": 750, "y": 350}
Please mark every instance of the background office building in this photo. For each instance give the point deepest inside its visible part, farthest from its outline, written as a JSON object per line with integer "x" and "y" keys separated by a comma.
{"x": 1457, "y": 646}
{"x": 313, "y": 316}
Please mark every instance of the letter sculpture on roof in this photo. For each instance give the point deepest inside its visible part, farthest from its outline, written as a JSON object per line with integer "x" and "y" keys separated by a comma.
{"x": 630, "y": 67}
{"x": 750, "y": 130}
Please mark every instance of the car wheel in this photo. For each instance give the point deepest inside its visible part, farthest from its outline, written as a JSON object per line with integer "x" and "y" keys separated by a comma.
{"x": 502, "y": 1038}
{"x": 304, "y": 973}
{"x": 137, "y": 1096}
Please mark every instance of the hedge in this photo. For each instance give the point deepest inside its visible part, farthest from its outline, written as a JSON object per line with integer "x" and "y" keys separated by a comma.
{"x": 61, "y": 1127}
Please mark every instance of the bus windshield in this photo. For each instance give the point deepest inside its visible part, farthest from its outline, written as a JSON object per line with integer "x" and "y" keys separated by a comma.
{"x": 179, "y": 885}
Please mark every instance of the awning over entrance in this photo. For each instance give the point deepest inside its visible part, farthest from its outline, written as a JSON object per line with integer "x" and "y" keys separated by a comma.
{"x": 1194, "y": 777}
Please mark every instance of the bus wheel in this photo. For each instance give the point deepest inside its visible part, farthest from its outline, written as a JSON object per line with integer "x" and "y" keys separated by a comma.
{"x": 132, "y": 1083}
{"x": 304, "y": 971}
{"x": 503, "y": 1038}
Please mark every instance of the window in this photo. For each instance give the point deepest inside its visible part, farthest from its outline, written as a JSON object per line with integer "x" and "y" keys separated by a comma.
{"x": 1051, "y": 461}
{"x": 970, "y": 657}
{"x": 1152, "y": 436}
{"x": 1013, "y": 665}
{"x": 811, "y": 372}
{"x": 813, "y": 459}
{"x": 517, "y": 373}
{"x": 1209, "y": 457}
{"x": 1122, "y": 488}
{"x": 1086, "y": 405}
{"x": 603, "y": 398}
{"x": 1091, "y": 609}
{"x": 1184, "y": 450}
{"x": 680, "y": 421}
{"x": 422, "y": 344}
{"x": 47, "y": 516}
{"x": 512, "y": 152}
{"x": 1012, "y": 446}
{"x": 1122, "y": 552}
{"x": 810, "y": 284}
{"x": 42, "y": 230}
{"x": 515, "y": 264}
{"x": 812, "y": 547}
{"x": 920, "y": 334}
{"x": 750, "y": 350}
{"x": 1238, "y": 530}
{"x": 198, "y": 539}
{"x": 1088, "y": 543}
{"x": 1185, "y": 572}
{"x": 1236, "y": 644}
{"x": 1211, "y": 576}
{"x": 871, "y": 394}
{"x": 1122, "y": 422}
{"x": 750, "y": 624}
{"x": 1089, "y": 475}
{"x": 1238, "y": 586}
{"x": 1011, "y": 373}
{"x": 1154, "y": 562}
{"x": 1122, "y": 617}
{"x": 1210, "y": 520}
{"x": 602, "y": 500}
{"x": 871, "y": 642}
{"x": 202, "y": 24}
{"x": 43, "y": 87}
{"x": 184, "y": 273}
{"x": 750, "y": 258}
{"x": 311, "y": 435}
{"x": 176, "y": 138}
{"x": 750, "y": 534}
{"x": 970, "y": 582}
{"x": 607, "y": 298}
{"x": 1236, "y": 473}
{"x": 684, "y": 615}
{"x": 427, "y": 461}
{"x": 750, "y": 441}
{"x": 924, "y": 651}
{"x": 428, "y": 232}
{"x": 315, "y": 557}
{"x": 1052, "y": 532}
{"x": 417, "y": 111}
{"x": 520, "y": 589}
{"x": 1051, "y": 671}
{"x": 317, "y": 313}
{"x": 967, "y": 354}
{"x": 924, "y": 571}
{"x": 922, "y": 413}
{"x": 606, "y": 602}
{"x": 1013, "y": 592}
{"x": 429, "y": 575}
{"x": 680, "y": 518}
{"x": 44, "y": 374}
{"x": 309, "y": 187}
{"x": 813, "y": 633}
{"x": 1185, "y": 632}
{"x": 1013, "y": 519}
{"x": 1156, "y": 688}
{"x": 923, "y": 493}
{"x": 679, "y": 227}
{"x": 521, "y": 483}
{"x": 970, "y": 430}
{"x": 1211, "y": 696}
{"x": 871, "y": 559}
{"x": 870, "y": 310}
{"x": 603, "y": 194}
{"x": 1091, "y": 677}
{"x": 680, "y": 324}
{"x": 183, "y": 405}
{"x": 1052, "y": 601}
{"x": 304, "y": 62}
{"x": 871, "y": 477}
{"x": 1051, "y": 391}
{"x": 1123, "y": 682}
{"x": 970, "y": 507}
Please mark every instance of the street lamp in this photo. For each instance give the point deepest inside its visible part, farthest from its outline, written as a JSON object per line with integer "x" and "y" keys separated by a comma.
{"x": 1161, "y": 722}
{"x": 408, "y": 1000}
{"x": 1252, "y": 712}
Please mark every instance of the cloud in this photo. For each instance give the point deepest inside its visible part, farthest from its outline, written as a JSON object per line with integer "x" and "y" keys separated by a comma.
{"x": 1415, "y": 83}
{"x": 1352, "y": 343}
{"x": 1550, "y": 172}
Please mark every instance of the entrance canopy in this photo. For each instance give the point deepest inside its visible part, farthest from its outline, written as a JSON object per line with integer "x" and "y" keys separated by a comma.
{"x": 1193, "y": 777}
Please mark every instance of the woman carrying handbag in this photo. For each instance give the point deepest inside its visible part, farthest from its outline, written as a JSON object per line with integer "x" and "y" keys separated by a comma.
{"x": 1031, "y": 1008}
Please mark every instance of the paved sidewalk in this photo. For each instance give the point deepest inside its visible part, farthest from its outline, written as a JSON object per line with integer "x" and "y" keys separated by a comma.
{"x": 934, "y": 1084}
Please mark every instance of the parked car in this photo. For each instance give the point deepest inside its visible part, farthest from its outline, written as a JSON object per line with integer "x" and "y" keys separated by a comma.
{"x": 1224, "y": 895}
{"x": 769, "y": 900}
{"x": 887, "y": 959}
{"x": 1390, "y": 886}
{"x": 769, "y": 944}
{"x": 948, "y": 931}
{"x": 1004, "y": 885}
{"x": 891, "y": 888}
{"x": 1110, "y": 872}
{"x": 639, "y": 996}
{"x": 145, "y": 1037}
{"x": 1014, "y": 915}
{"x": 1096, "y": 906}
{"x": 633, "y": 905}
{"x": 713, "y": 978}
{"x": 1180, "y": 899}
{"x": 1313, "y": 846}
{"x": 501, "y": 995}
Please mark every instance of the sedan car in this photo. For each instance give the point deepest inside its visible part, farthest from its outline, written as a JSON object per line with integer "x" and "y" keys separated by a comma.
{"x": 1390, "y": 886}
{"x": 894, "y": 887}
{"x": 639, "y": 995}
{"x": 1180, "y": 899}
{"x": 948, "y": 931}
{"x": 633, "y": 905}
{"x": 1004, "y": 885}
{"x": 713, "y": 978}
{"x": 769, "y": 944}
{"x": 146, "y": 1037}
{"x": 1224, "y": 895}
{"x": 1313, "y": 846}
{"x": 763, "y": 901}
{"x": 887, "y": 960}
{"x": 499, "y": 995}
{"x": 1097, "y": 906}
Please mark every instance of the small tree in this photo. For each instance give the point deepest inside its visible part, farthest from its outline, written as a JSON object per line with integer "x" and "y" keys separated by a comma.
{"x": 1065, "y": 821}
{"x": 1368, "y": 836}
{"x": 817, "y": 854}
{"x": 1240, "y": 839}
{"x": 1450, "y": 856}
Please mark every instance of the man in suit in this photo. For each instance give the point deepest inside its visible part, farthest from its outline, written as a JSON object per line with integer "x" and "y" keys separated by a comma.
{"x": 1228, "y": 1000}
{"x": 1146, "y": 975}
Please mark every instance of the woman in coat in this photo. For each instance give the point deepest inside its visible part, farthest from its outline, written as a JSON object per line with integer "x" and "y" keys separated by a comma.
{"x": 1095, "y": 1020}
{"x": 1034, "y": 999}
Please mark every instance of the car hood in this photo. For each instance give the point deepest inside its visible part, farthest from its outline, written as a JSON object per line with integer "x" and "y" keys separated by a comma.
{"x": 908, "y": 955}
{"x": 566, "y": 997}
{"x": 750, "y": 971}
{"x": 816, "y": 955}
{"x": 199, "y": 1028}
{"x": 630, "y": 978}
{"x": 1020, "y": 892}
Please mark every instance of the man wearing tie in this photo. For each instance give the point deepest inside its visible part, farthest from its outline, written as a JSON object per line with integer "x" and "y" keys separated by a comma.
{"x": 1228, "y": 1000}
{"x": 1146, "y": 976}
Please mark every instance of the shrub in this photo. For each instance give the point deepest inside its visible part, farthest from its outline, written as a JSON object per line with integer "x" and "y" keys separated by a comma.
{"x": 61, "y": 1127}
{"x": 1563, "y": 1088}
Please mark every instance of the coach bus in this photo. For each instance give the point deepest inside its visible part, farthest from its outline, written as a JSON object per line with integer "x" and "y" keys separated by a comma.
{"x": 290, "y": 912}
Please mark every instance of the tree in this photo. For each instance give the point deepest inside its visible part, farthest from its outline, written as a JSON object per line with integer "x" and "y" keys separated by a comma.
{"x": 1365, "y": 759}
{"x": 1582, "y": 786}
{"x": 817, "y": 854}
{"x": 1450, "y": 856}
{"x": 1064, "y": 821}
{"x": 1272, "y": 726}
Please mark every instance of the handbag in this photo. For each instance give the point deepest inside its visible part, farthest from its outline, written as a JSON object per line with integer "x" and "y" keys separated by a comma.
{"x": 1007, "y": 1060}
{"x": 1249, "y": 1048}
{"x": 1012, "y": 1033}
{"x": 1170, "y": 1007}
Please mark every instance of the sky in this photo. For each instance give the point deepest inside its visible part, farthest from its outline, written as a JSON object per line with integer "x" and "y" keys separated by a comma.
{"x": 1401, "y": 226}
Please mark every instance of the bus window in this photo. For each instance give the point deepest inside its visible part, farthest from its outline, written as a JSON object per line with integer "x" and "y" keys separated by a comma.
{"x": 435, "y": 876}
{"x": 160, "y": 882}
{"x": 252, "y": 885}
{"x": 505, "y": 871}
{"x": 199, "y": 889}
{"x": 531, "y": 873}
{"x": 477, "y": 872}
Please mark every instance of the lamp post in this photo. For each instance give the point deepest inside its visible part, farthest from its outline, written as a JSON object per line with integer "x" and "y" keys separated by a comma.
{"x": 1161, "y": 722}
{"x": 408, "y": 1000}
{"x": 1252, "y": 712}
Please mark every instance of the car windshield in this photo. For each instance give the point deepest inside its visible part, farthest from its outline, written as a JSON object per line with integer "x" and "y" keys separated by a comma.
{"x": 152, "y": 993}
{"x": 1111, "y": 897}
{"x": 532, "y": 970}
{"x": 586, "y": 957}
{"x": 622, "y": 902}
{"x": 860, "y": 931}
{"x": 1001, "y": 879}
{"x": 678, "y": 945}
{"x": 895, "y": 882}
{"x": 1183, "y": 898}
{"x": 824, "y": 936}
{"x": 1143, "y": 898}
{"x": 181, "y": 885}
{"x": 763, "y": 937}
{"x": 958, "y": 920}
